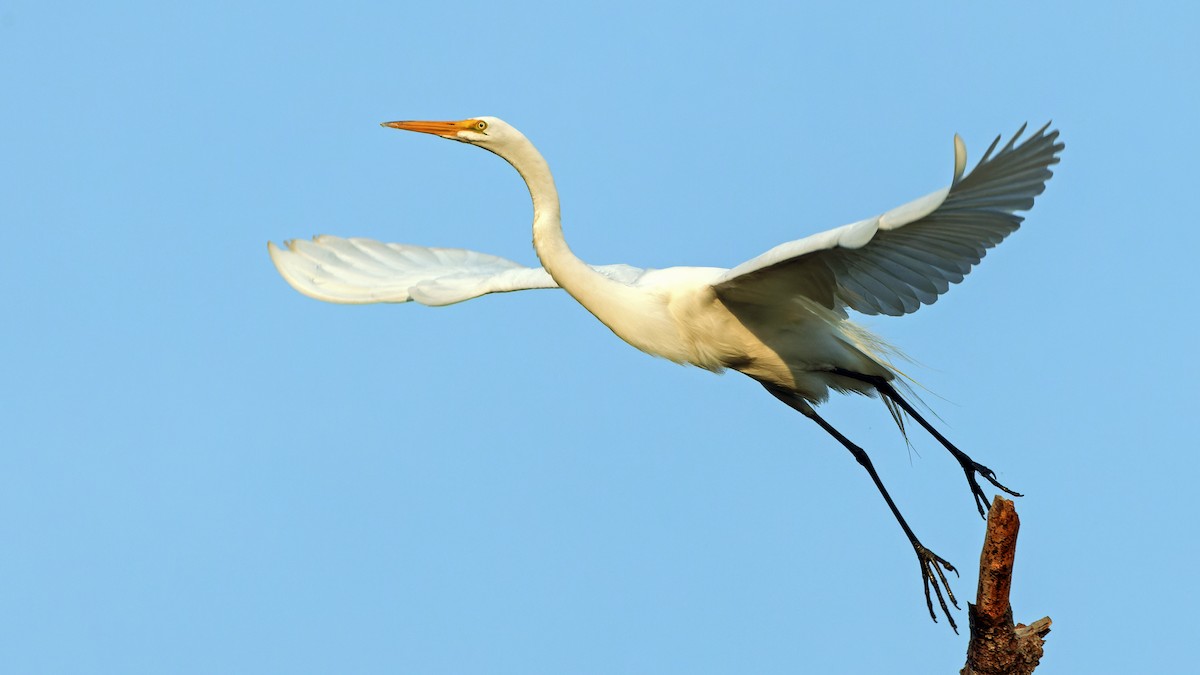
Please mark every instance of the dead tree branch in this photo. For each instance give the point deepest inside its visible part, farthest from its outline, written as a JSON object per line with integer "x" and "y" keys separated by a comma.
{"x": 997, "y": 646}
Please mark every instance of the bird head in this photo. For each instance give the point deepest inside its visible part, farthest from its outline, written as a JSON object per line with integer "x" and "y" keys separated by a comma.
{"x": 490, "y": 133}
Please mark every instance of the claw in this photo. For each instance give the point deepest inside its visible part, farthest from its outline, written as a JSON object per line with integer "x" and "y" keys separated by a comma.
{"x": 931, "y": 563}
{"x": 981, "y": 500}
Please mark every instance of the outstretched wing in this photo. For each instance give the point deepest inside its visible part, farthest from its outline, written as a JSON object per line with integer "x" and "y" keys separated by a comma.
{"x": 363, "y": 271}
{"x": 896, "y": 262}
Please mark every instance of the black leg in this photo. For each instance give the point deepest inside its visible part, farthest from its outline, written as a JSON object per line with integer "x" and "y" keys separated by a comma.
{"x": 931, "y": 564}
{"x": 970, "y": 467}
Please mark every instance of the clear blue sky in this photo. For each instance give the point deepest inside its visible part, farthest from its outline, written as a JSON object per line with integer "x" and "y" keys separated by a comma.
{"x": 203, "y": 471}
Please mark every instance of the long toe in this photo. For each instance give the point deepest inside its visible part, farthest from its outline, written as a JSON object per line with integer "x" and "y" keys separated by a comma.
{"x": 991, "y": 477}
{"x": 977, "y": 492}
{"x": 933, "y": 573}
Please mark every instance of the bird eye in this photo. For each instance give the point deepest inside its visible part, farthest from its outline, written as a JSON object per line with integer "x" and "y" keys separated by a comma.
{"x": 481, "y": 125}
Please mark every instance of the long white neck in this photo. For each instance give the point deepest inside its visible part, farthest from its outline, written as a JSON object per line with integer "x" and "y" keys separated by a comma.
{"x": 607, "y": 299}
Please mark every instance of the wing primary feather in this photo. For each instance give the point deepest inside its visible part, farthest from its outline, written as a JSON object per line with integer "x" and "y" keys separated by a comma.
{"x": 986, "y": 155}
{"x": 1013, "y": 141}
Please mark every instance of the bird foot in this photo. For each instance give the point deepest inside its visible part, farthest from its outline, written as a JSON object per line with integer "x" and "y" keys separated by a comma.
{"x": 971, "y": 467}
{"x": 931, "y": 565}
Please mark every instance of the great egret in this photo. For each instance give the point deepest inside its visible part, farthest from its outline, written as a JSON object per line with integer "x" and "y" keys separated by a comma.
{"x": 780, "y": 318}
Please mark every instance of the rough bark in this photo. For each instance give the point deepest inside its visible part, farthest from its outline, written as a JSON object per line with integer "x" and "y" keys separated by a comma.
{"x": 997, "y": 646}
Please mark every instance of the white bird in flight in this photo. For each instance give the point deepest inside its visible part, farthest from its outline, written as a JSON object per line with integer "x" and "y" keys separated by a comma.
{"x": 780, "y": 318}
